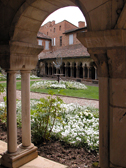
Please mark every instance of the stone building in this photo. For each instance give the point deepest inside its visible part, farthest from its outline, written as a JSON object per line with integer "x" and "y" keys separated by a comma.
{"x": 60, "y": 42}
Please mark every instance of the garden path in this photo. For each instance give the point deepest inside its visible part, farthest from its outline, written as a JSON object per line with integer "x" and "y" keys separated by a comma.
{"x": 66, "y": 99}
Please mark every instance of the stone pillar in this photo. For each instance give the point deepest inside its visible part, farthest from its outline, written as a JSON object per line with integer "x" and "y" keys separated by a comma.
{"x": 83, "y": 71}
{"x": 88, "y": 68}
{"x": 66, "y": 71}
{"x": 25, "y": 99}
{"x": 117, "y": 105}
{"x": 48, "y": 69}
{"x": 71, "y": 70}
{"x": 96, "y": 76}
{"x": 103, "y": 109}
{"x": 11, "y": 112}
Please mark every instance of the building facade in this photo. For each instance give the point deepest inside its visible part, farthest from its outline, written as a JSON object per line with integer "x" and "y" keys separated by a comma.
{"x": 60, "y": 44}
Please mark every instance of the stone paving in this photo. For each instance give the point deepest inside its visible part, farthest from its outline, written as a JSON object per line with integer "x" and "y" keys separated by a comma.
{"x": 81, "y": 101}
{"x": 66, "y": 99}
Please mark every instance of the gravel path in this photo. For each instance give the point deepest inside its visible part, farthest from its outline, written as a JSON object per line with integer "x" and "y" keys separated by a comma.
{"x": 81, "y": 101}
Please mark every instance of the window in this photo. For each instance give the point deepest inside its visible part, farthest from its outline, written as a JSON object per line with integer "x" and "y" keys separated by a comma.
{"x": 60, "y": 40}
{"x": 40, "y": 42}
{"x": 46, "y": 45}
{"x": 53, "y": 41}
{"x": 70, "y": 39}
{"x": 59, "y": 27}
{"x": 54, "y": 30}
{"x": 47, "y": 33}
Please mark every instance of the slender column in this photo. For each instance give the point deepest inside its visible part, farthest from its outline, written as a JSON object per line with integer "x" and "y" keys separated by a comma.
{"x": 88, "y": 72}
{"x": 84, "y": 72}
{"x": 77, "y": 71}
{"x": 66, "y": 71}
{"x": 25, "y": 98}
{"x": 103, "y": 122}
{"x": 71, "y": 71}
{"x": 11, "y": 112}
{"x": 96, "y": 77}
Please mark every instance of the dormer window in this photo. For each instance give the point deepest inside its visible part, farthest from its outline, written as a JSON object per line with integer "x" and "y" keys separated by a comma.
{"x": 46, "y": 45}
{"x": 40, "y": 42}
{"x": 70, "y": 39}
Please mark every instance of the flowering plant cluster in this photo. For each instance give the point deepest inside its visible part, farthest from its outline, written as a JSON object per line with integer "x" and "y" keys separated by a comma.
{"x": 55, "y": 85}
{"x": 79, "y": 126}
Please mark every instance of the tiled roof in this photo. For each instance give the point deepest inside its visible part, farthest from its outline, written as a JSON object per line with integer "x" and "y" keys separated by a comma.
{"x": 77, "y": 50}
{"x": 43, "y": 36}
{"x": 75, "y": 30}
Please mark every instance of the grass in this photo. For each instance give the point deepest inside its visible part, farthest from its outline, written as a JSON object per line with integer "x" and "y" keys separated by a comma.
{"x": 92, "y": 92}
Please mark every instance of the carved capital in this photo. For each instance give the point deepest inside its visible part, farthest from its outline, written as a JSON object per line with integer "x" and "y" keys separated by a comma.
{"x": 19, "y": 56}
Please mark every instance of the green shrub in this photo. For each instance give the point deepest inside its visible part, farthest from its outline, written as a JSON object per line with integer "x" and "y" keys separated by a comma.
{"x": 44, "y": 117}
{"x": 2, "y": 89}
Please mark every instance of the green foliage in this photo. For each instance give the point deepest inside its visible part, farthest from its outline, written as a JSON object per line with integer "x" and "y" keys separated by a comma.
{"x": 1, "y": 88}
{"x": 3, "y": 111}
{"x": 95, "y": 164}
{"x": 44, "y": 117}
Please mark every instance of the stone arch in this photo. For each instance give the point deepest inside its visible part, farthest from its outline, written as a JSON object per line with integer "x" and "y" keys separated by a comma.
{"x": 31, "y": 14}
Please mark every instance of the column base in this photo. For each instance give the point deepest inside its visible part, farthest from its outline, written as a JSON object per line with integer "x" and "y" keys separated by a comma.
{"x": 22, "y": 156}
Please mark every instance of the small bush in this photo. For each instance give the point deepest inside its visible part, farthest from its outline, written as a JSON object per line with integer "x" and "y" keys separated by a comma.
{"x": 44, "y": 117}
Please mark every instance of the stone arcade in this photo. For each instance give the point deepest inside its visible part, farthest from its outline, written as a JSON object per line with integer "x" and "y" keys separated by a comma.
{"x": 106, "y": 43}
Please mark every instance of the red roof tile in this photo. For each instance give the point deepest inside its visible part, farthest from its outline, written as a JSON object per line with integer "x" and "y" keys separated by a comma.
{"x": 67, "y": 51}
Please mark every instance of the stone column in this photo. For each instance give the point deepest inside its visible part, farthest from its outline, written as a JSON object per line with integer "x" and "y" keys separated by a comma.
{"x": 25, "y": 98}
{"x": 71, "y": 70}
{"x": 48, "y": 69}
{"x": 104, "y": 130}
{"x": 117, "y": 105}
{"x": 83, "y": 71}
{"x": 66, "y": 71}
{"x": 11, "y": 112}
{"x": 96, "y": 76}
{"x": 108, "y": 49}
{"x": 88, "y": 72}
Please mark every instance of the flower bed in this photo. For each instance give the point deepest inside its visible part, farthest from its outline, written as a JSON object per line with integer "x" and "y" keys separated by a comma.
{"x": 80, "y": 124}
{"x": 55, "y": 85}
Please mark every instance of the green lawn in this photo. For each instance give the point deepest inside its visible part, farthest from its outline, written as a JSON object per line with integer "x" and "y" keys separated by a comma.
{"x": 92, "y": 92}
